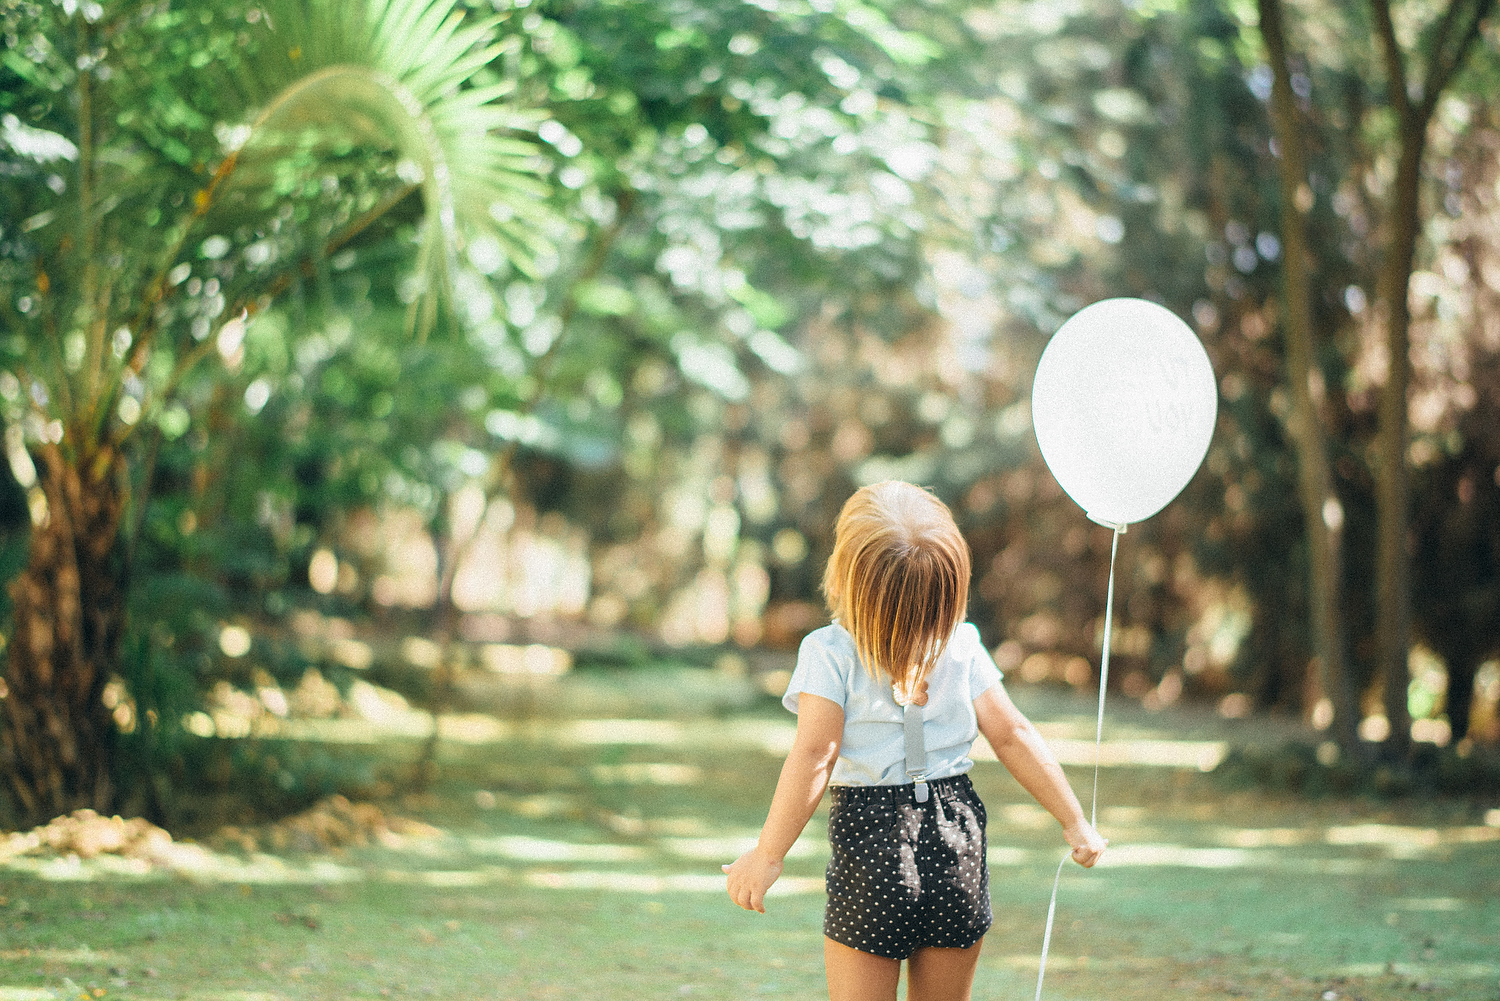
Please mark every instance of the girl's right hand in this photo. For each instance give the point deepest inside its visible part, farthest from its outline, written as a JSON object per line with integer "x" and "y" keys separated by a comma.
{"x": 750, "y": 876}
{"x": 1088, "y": 844}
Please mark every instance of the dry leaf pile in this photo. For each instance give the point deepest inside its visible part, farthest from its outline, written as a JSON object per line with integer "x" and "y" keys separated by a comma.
{"x": 331, "y": 823}
{"x": 86, "y": 834}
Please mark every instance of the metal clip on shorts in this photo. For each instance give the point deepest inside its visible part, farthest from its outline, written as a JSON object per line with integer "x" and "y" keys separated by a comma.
{"x": 916, "y": 750}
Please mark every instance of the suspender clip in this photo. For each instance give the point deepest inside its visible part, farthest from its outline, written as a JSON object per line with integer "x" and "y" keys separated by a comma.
{"x": 916, "y": 751}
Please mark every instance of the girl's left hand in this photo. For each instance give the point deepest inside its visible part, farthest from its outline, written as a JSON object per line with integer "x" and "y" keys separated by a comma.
{"x": 1088, "y": 844}
{"x": 750, "y": 876}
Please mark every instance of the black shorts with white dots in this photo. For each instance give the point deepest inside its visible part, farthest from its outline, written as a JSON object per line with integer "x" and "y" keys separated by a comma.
{"x": 906, "y": 875}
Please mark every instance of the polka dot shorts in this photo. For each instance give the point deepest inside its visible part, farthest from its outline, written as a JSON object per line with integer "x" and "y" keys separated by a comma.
{"x": 905, "y": 875}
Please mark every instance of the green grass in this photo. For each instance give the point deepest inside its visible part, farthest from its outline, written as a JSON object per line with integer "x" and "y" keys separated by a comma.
{"x": 568, "y": 868}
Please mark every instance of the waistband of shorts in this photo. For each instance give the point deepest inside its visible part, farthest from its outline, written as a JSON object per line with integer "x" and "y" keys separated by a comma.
{"x": 952, "y": 787}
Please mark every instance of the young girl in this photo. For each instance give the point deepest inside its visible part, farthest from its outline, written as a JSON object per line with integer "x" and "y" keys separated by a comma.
{"x": 889, "y": 699}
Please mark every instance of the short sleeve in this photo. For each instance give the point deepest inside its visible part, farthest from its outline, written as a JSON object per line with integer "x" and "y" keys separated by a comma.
{"x": 983, "y": 674}
{"x": 818, "y": 672}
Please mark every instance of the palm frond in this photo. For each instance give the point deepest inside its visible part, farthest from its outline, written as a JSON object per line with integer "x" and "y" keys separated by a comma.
{"x": 395, "y": 76}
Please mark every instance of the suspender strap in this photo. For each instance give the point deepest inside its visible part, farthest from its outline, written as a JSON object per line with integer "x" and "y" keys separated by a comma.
{"x": 916, "y": 750}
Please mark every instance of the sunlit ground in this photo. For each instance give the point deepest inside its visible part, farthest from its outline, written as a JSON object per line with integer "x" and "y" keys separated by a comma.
{"x": 579, "y": 859}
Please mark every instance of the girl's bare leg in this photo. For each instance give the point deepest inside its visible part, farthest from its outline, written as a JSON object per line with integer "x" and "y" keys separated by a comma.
{"x": 941, "y": 974}
{"x": 860, "y": 976}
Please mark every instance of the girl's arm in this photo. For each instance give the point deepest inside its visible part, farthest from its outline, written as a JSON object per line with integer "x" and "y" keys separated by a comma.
{"x": 1021, "y": 749}
{"x": 820, "y": 730}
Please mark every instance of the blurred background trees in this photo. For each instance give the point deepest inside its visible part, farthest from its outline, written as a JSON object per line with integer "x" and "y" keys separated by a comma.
{"x": 783, "y": 249}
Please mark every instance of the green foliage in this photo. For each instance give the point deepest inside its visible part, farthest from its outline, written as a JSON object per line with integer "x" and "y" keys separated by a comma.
{"x": 166, "y": 171}
{"x": 680, "y": 261}
{"x": 224, "y": 156}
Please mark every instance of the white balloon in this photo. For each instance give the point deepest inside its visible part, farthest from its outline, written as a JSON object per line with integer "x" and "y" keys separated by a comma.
{"x": 1123, "y": 405}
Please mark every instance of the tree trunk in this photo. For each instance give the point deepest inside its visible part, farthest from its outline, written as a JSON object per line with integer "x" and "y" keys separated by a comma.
{"x": 1458, "y": 28}
{"x": 1392, "y": 494}
{"x": 68, "y": 606}
{"x": 1322, "y": 514}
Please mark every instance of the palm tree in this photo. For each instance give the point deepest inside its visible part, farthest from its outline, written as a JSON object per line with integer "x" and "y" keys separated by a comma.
{"x": 165, "y": 173}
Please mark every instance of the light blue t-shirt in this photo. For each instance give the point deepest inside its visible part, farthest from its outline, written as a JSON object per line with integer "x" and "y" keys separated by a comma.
{"x": 873, "y": 751}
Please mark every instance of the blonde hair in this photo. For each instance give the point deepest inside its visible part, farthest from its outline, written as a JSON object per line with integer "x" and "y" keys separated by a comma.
{"x": 898, "y": 579}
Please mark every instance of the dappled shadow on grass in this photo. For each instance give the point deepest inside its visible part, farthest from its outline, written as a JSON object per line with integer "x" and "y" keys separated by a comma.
{"x": 578, "y": 919}
{"x": 377, "y": 940}
{"x": 672, "y": 798}
{"x": 579, "y": 859}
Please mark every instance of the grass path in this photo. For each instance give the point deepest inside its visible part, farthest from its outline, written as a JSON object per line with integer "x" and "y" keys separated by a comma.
{"x": 579, "y": 860}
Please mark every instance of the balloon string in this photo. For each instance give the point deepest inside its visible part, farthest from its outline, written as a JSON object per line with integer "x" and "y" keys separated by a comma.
{"x": 1109, "y": 611}
{"x": 1041, "y": 970}
{"x": 1109, "y": 607}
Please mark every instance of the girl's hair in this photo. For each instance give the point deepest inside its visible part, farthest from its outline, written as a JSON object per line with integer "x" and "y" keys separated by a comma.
{"x": 898, "y": 579}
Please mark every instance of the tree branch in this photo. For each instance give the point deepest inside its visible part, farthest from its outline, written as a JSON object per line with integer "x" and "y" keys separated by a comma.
{"x": 144, "y": 323}
{"x": 501, "y": 462}
{"x": 452, "y": 554}
{"x": 64, "y": 387}
{"x": 306, "y": 268}
{"x": 1440, "y": 42}
{"x": 1443, "y": 68}
{"x": 88, "y": 237}
{"x": 245, "y": 304}
{"x": 1395, "y": 69}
